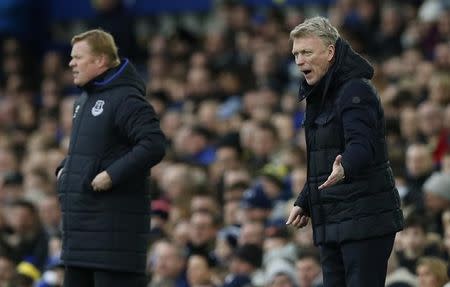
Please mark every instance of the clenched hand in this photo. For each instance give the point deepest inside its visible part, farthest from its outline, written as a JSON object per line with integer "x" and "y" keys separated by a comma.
{"x": 101, "y": 182}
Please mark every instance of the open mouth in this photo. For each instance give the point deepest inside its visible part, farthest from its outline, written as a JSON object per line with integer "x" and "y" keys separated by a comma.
{"x": 306, "y": 72}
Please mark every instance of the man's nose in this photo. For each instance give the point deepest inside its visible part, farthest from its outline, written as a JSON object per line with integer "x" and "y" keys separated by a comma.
{"x": 300, "y": 60}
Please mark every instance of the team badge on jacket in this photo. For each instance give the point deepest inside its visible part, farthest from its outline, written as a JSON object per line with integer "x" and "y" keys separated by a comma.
{"x": 97, "y": 109}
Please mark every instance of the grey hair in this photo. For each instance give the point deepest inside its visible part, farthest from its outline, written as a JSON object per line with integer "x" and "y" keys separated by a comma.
{"x": 316, "y": 26}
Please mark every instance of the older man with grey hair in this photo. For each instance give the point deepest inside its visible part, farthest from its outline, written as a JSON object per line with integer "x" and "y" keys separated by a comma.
{"x": 349, "y": 193}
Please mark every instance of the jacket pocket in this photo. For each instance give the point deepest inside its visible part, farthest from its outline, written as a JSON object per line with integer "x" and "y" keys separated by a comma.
{"x": 91, "y": 171}
{"x": 344, "y": 192}
{"x": 324, "y": 118}
{"x": 326, "y": 131}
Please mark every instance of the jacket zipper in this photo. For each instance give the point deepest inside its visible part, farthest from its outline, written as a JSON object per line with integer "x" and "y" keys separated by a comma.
{"x": 82, "y": 105}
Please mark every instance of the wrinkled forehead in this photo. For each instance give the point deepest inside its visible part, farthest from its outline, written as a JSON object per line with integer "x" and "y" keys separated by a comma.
{"x": 307, "y": 42}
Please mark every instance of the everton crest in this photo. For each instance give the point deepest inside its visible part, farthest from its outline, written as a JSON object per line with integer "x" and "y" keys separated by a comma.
{"x": 97, "y": 109}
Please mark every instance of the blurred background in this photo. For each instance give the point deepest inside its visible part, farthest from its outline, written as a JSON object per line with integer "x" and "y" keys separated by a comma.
{"x": 224, "y": 84}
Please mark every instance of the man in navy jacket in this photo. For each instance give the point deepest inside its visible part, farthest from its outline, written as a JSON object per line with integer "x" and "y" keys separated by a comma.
{"x": 349, "y": 194}
{"x": 102, "y": 183}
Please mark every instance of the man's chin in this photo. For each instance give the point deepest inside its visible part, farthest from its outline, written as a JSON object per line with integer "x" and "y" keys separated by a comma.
{"x": 310, "y": 82}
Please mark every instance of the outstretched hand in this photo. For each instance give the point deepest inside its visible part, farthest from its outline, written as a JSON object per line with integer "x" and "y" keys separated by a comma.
{"x": 337, "y": 174}
{"x": 297, "y": 217}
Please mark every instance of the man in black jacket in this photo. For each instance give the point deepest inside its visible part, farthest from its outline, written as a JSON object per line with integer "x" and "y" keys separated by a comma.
{"x": 350, "y": 194}
{"x": 102, "y": 183}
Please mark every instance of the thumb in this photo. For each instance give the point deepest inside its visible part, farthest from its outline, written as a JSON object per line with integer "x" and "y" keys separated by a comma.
{"x": 294, "y": 212}
{"x": 338, "y": 160}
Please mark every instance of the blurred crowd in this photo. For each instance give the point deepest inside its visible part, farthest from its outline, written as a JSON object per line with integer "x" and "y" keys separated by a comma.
{"x": 224, "y": 84}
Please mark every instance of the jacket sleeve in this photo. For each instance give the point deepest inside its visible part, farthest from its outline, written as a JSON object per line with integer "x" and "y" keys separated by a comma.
{"x": 302, "y": 199}
{"x": 358, "y": 109}
{"x": 136, "y": 120}
{"x": 60, "y": 166}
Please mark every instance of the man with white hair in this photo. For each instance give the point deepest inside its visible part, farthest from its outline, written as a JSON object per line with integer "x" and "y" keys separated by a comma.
{"x": 349, "y": 193}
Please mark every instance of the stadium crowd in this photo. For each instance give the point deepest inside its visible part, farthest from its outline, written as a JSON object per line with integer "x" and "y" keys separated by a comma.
{"x": 224, "y": 85}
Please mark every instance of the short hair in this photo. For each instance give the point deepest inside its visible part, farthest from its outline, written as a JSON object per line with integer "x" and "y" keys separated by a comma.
{"x": 100, "y": 42}
{"x": 316, "y": 26}
{"x": 23, "y": 203}
{"x": 415, "y": 220}
{"x": 437, "y": 266}
{"x": 309, "y": 253}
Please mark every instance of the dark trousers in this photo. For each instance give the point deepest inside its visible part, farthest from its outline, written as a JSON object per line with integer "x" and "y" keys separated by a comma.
{"x": 86, "y": 277}
{"x": 356, "y": 263}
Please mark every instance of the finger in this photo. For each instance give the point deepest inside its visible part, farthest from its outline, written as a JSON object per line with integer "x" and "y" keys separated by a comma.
{"x": 100, "y": 187}
{"x": 338, "y": 160}
{"x": 331, "y": 180}
{"x": 292, "y": 215}
{"x": 289, "y": 221}
{"x": 296, "y": 222}
{"x": 327, "y": 183}
{"x": 303, "y": 221}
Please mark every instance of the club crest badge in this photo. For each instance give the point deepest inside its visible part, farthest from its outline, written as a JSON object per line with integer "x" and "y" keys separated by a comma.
{"x": 97, "y": 109}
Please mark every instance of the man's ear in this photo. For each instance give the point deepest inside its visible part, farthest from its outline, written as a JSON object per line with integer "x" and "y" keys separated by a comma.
{"x": 331, "y": 50}
{"x": 101, "y": 61}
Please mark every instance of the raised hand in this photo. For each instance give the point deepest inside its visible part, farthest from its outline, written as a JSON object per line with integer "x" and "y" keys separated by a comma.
{"x": 337, "y": 174}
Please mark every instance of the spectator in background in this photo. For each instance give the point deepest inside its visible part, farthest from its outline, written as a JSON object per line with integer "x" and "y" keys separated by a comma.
{"x": 432, "y": 129}
{"x": 347, "y": 160}
{"x": 399, "y": 276}
{"x": 246, "y": 261}
{"x": 309, "y": 272}
{"x": 204, "y": 201}
{"x": 226, "y": 243}
{"x": 102, "y": 182}
{"x": 50, "y": 215}
{"x": 419, "y": 166}
{"x": 167, "y": 263}
{"x": 159, "y": 218}
{"x": 202, "y": 233}
{"x": 11, "y": 188}
{"x": 414, "y": 243}
{"x": 53, "y": 275}
{"x": 446, "y": 163}
{"x": 409, "y": 125}
{"x": 7, "y": 271}
{"x": 264, "y": 145}
{"x": 387, "y": 40}
{"x": 437, "y": 199}
{"x": 432, "y": 272}
{"x": 27, "y": 241}
{"x": 256, "y": 204}
{"x": 200, "y": 271}
{"x": 197, "y": 146}
{"x": 251, "y": 232}
{"x": 280, "y": 273}
{"x": 277, "y": 243}
{"x": 181, "y": 231}
{"x": 112, "y": 16}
